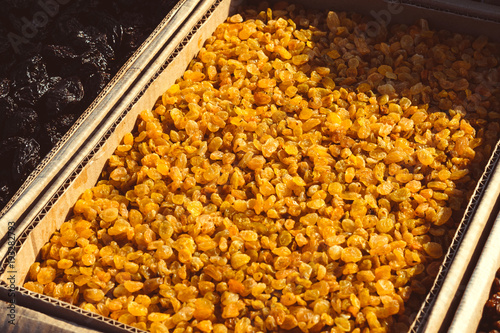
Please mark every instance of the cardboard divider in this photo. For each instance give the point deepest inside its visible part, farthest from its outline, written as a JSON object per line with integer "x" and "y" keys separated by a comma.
{"x": 28, "y": 320}
{"x": 80, "y": 161}
{"x": 436, "y": 314}
{"x": 477, "y": 291}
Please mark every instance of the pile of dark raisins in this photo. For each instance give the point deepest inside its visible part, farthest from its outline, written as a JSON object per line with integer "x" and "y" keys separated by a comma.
{"x": 490, "y": 322}
{"x": 55, "y": 57}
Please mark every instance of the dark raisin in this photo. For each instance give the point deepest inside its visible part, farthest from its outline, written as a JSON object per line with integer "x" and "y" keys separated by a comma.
{"x": 5, "y": 192}
{"x": 65, "y": 93}
{"x": 4, "y": 87}
{"x": 30, "y": 71}
{"x": 22, "y": 154}
{"x": 53, "y": 130}
{"x": 94, "y": 83}
{"x": 61, "y": 60}
{"x": 30, "y": 95}
{"x": 94, "y": 60}
{"x": 496, "y": 283}
{"x": 23, "y": 122}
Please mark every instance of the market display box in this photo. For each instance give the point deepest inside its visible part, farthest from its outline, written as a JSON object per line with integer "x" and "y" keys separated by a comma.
{"x": 76, "y": 164}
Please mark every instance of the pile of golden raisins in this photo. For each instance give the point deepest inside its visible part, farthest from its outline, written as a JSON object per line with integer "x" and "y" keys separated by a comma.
{"x": 300, "y": 176}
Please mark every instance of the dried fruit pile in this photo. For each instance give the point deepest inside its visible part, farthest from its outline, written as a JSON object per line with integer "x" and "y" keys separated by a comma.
{"x": 299, "y": 176}
{"x": 58, "y": 70}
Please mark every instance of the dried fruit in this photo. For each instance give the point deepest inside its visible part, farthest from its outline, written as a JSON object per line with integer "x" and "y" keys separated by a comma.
{"x": 282, "y": 163}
